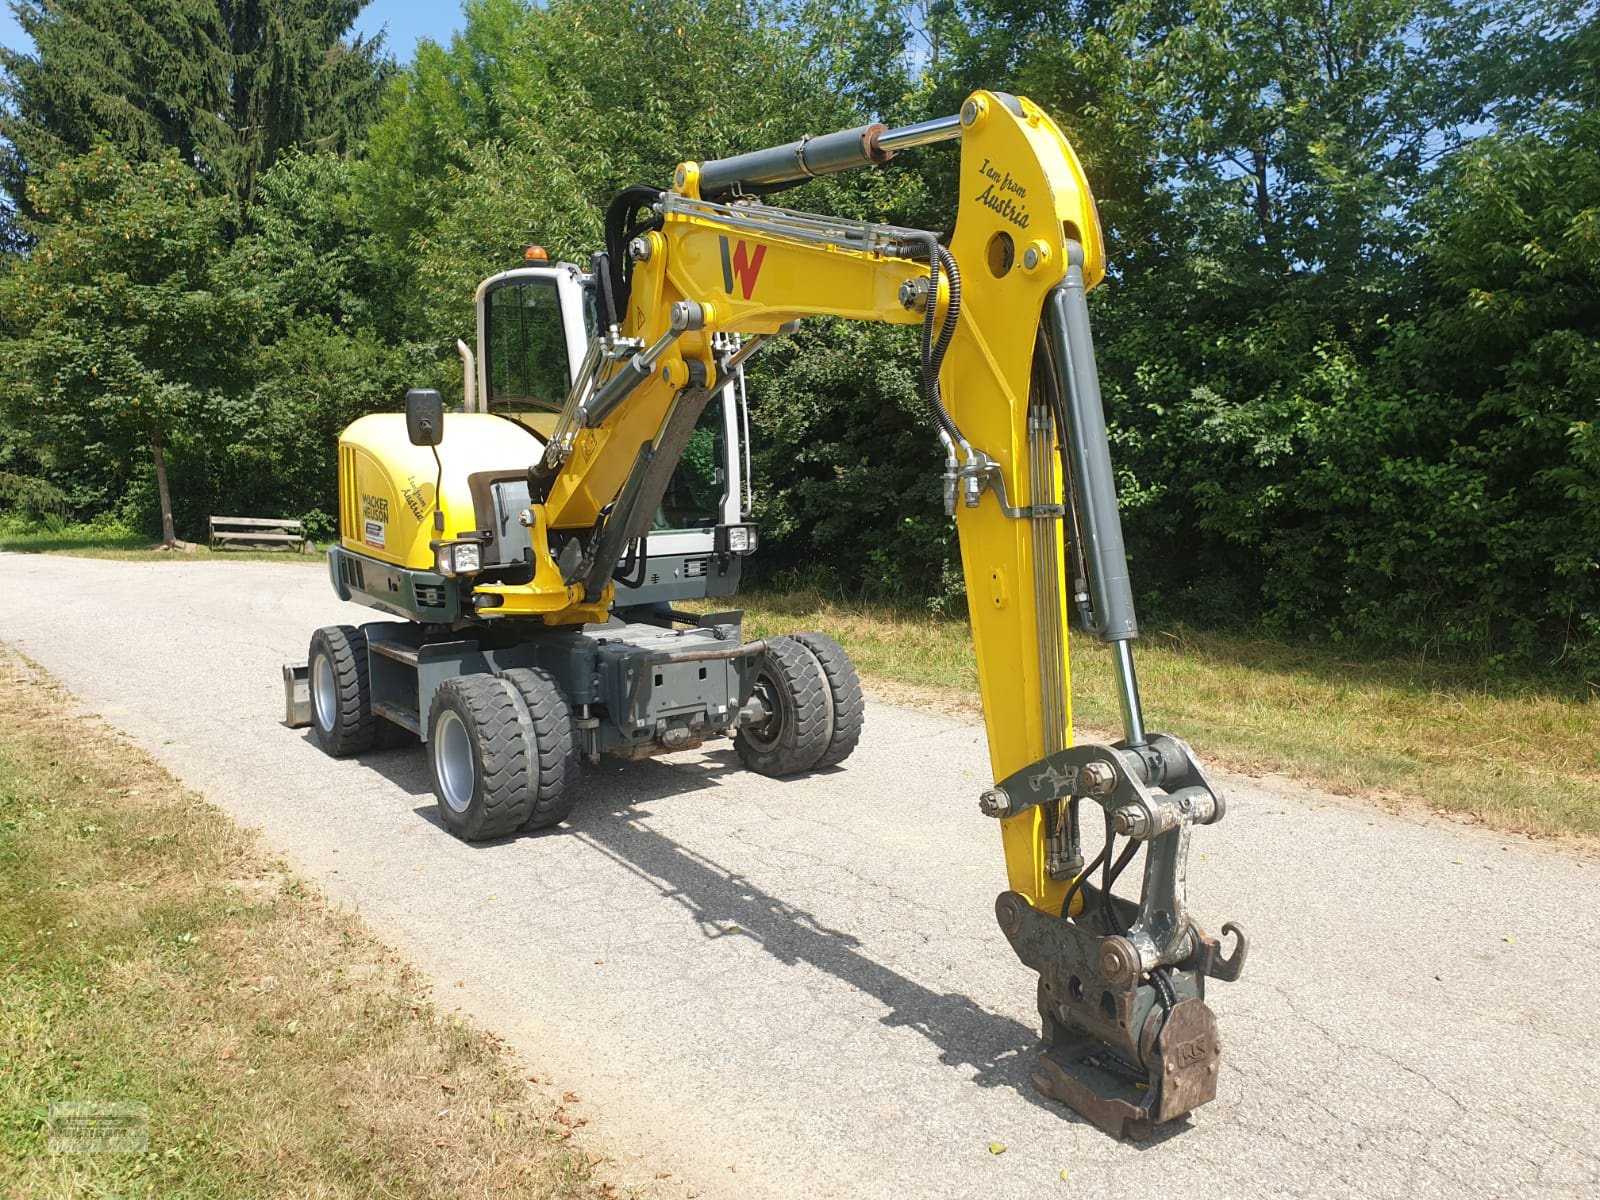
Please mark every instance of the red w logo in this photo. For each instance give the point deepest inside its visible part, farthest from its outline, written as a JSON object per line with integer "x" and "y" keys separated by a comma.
{"x": 741, "y": 265}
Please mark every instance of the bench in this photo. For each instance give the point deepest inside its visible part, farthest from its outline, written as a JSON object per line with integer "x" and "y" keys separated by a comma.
{"x": 257, "y": 532}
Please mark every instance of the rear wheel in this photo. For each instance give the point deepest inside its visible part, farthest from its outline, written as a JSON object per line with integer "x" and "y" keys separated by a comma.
{"x": 478, "y": 758}
{"x": 844, "y": 685}
{"x": 341, "y": 699}
{"x": 798, "y": 726}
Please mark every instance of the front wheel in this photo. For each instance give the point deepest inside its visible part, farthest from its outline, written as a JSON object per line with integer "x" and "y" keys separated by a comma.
{"x": 798, "y": 726}
{"x": 478, "y": 758}
{"x": 503, "y": 752}
{"x": 553, "y": 781}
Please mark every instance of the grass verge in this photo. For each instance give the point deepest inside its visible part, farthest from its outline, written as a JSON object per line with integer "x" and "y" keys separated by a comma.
{"x": 151, "y": 954}
{"x": 1516, "y": 756}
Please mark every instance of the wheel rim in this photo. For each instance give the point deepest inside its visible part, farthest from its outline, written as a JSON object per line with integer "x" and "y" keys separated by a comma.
{"x": 764, "y": 734}
{"x": 324, "y": 693}
{"x": 453, "y": 766}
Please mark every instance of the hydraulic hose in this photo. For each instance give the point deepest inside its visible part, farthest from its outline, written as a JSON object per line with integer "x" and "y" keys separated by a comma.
{"x": 934, "y": 346}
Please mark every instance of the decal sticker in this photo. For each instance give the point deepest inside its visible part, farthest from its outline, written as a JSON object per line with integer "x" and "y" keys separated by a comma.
{"x": 997, "y": 196}
{"x": 375, "y": 516}
{"x": 742, "y": 265}
{"x": 412, "y": 495}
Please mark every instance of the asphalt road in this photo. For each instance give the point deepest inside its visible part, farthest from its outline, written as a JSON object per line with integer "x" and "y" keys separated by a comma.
{"x": 797, "y": 988}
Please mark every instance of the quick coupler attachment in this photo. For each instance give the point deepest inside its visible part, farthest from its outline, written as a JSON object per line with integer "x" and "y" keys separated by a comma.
{"x": 1128, "y": 1040}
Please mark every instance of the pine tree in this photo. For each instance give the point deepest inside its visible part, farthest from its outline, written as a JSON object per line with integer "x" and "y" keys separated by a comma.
{"x": 228, "y": 84}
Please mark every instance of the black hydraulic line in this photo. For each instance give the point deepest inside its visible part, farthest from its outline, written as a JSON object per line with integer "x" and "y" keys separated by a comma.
{"x": 1077, "y": 884}
{"x": 620, "y": 230}
{"x": 604, "y": 301}
{"x": 1161, "y": 977}
{"x": 1113, "y": 873}
{"x": 1108, "y": 920}
{"x": 637, "y": 561}
{"x": 935, "y": 347}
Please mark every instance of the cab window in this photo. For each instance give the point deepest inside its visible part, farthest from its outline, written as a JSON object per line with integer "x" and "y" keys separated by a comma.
{"x": 526, "y": 344}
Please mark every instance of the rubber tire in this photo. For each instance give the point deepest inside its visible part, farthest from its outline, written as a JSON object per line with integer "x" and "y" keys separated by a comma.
{"x": 849, "y": 706}
{"x": 493, "y": 715}
{"x": 803, "y": 712}
{"x": 555, "y": 783}
{"x": 354, "y": 727}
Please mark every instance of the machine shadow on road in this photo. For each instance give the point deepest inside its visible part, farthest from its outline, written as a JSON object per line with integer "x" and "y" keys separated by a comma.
{"x": 997, "y": 1048}
{"x": 608, "y": 819}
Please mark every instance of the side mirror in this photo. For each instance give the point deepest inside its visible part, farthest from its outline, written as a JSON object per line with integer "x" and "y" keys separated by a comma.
{"x": 424, "y": 417}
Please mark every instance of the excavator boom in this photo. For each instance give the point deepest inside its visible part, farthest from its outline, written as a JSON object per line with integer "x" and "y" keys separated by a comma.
{"x": 699, "y": 276}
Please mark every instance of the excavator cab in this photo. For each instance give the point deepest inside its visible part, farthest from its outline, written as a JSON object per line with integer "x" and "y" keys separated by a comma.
{"x": 535, "y": 324}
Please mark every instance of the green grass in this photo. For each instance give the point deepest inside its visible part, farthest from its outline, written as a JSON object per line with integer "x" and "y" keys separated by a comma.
{"x": 151, "y": 955}
{"x": 118, "y": 542}
{"x": 1522, "y": 756}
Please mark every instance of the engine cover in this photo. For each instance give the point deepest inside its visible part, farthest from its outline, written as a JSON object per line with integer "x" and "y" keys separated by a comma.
{"x": 387, "y": 485}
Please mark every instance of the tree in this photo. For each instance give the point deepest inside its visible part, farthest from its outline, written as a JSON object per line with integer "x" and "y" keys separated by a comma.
{"x": 122, "y": 336}
{"x": 227, "y": 84}
{"x": 307, "y": 259}
{"x": 524, "y": 128}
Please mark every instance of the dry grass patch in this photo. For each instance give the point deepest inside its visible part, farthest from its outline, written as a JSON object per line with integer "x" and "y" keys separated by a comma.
{"x": 150, "y": 953}
{"x": 1522, "y": 756}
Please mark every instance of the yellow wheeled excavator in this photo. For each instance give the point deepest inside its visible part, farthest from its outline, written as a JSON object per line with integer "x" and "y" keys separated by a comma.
{"x": 532, "y": 546}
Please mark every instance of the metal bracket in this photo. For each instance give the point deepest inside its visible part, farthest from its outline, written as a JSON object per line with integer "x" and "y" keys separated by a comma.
{"x": 979, "y": 474}
{"x": 1155, "y": 794}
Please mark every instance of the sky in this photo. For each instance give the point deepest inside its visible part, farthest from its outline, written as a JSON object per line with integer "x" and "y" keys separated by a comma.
{"x": 407, "y": 20}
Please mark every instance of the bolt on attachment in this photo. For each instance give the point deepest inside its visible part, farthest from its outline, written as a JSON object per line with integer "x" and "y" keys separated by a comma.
{"x": 995, "y": 803}
{"x": 1096, "y": 779}
{"x": 1130, "y": 821}
{"x": 914, "y": 294}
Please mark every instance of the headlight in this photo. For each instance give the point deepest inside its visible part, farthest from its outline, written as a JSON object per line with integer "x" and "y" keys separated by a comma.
{"x": 458, "y": 558}
{"x": 736, "y": 539}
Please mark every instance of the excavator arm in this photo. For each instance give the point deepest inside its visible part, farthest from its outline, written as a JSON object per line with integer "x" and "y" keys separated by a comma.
{"x": 708, "y": 275}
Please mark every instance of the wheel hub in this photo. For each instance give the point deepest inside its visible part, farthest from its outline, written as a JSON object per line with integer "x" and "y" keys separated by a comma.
{"x": 453, "y": 762}
{"x": 764, "y": 733}
{"x": 324, "y": 693}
